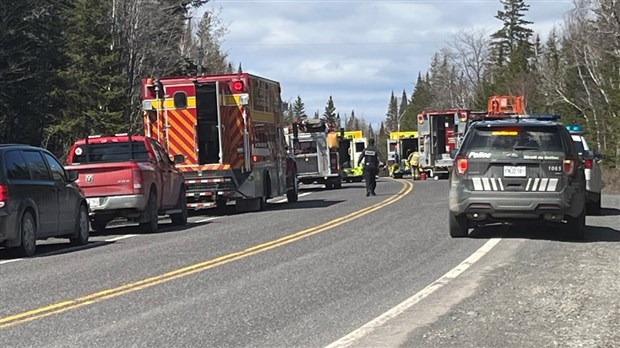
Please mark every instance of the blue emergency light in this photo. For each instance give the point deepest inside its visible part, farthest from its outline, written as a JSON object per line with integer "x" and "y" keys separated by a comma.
{"x": 574, "y": 128}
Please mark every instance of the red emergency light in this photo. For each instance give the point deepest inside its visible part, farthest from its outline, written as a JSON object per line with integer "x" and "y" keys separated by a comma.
{"x": 237, "y": 86}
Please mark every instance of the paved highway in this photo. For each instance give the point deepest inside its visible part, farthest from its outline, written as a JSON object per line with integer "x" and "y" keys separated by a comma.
{"x": 308, "y": 274}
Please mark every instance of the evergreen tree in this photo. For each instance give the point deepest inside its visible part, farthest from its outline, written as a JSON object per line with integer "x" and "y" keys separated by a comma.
{"x": 391, "y": 117}
{"x": 514, "y": 34}
{"x": 92, "y": 81}
{"x": 30, "y": 44}
{"x": 420, "y": 100}
{"x": 299, "y": 108}
{"x": 330, "y": 112}
{"x": 403, "y": 110}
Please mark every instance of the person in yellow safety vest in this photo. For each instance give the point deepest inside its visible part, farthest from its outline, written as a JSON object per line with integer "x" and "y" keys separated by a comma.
{"x": 414, "y": 164}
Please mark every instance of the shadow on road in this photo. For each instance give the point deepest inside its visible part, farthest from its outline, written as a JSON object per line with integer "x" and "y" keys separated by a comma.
{"x": 52, "y": 248}
{"x": 553, "y": 233}
{"x": 305, "y": 204}
{"x": 126, "y": 228}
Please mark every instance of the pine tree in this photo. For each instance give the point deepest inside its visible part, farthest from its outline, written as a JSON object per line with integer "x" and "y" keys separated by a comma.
{"x": 514, "y": 33}
{"x": 391, "y": 116}
{"x": 299, "y": 108}
{"x": 403, "y": 110}
{"x": 330, "y": 112}
{"x": 420, "y": 100}
{"x": 92, "y": 80}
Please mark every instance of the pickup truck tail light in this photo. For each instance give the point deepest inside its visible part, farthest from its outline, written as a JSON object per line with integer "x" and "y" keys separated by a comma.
{"x": 4, "y": 195}
{"x": 136, "y": 179}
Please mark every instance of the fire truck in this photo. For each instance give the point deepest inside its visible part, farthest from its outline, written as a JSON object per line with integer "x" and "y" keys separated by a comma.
{"x": 314, "y": 147}
{"x": 229, "y": 130}
{"x": 399, "y": 145}
{"x": 440, "y": 131}
{"x": 350, "y": 146}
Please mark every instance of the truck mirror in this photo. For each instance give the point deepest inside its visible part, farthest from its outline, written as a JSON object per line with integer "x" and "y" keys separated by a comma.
{"x": 178, "y": 159}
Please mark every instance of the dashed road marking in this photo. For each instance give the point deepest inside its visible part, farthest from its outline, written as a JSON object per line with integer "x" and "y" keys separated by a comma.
{"x": 121, "y": 237}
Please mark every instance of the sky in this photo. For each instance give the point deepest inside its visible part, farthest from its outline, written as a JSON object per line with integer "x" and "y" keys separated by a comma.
{"x": 356, "y": 51}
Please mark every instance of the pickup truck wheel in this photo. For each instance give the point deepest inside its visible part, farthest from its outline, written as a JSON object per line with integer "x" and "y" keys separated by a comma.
{"x": 458, "y": 226}
{"x": 150, "y": 226}
{"x": 81, "y": 228}
{"x": 28, "y": 234}
{"x": 180, "y": 219}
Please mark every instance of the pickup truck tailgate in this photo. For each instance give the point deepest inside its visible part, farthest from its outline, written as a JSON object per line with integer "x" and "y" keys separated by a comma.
{"x": 108, "y": 179}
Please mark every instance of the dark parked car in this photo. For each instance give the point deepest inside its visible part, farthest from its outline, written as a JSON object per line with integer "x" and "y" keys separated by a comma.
{"x": 515, "y": 171}
{"x": 38, "y": 199}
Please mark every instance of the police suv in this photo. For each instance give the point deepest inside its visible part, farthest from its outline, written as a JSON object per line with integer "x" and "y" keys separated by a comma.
{"x": 514, "y": 170}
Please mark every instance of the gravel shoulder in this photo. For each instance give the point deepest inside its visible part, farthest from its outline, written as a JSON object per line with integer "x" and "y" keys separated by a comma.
{"x": 554, "y": 293}
{"x": 534, "y": 289}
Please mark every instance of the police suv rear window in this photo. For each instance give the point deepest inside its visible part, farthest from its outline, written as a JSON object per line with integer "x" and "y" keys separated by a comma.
{"x": 110, "y": 152}
{"x": 508, "y": 138}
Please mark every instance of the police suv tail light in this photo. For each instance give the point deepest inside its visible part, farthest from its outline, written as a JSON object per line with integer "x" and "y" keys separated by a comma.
{"x": 461, "y": 165}
{"x": 588, "y": 163}
{"x": 4, "y": 195}
{"x": 570, "y": 166}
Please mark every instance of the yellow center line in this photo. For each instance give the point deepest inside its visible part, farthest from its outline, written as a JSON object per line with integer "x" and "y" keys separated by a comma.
{"x": 65, "y": 306}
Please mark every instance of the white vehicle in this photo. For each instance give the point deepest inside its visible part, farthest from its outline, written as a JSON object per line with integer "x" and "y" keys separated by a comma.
{"x": 592, "y": 169}
{"x": 315, "y": 151}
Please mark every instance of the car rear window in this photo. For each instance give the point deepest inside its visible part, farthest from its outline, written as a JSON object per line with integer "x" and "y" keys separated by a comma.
{"x": 579, "y": 146}
{"x": 516, "y": 138}
{"x": 110, "y": 152}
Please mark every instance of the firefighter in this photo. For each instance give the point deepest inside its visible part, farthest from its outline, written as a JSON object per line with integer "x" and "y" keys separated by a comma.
{"x": 371, "y": 167}
{"x": 414, "y": 164}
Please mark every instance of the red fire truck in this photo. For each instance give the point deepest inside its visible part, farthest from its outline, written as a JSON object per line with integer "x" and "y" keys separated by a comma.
{"x": 229, "y": 130}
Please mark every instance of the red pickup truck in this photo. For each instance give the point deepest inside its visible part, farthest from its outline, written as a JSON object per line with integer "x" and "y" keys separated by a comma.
{"x": 128, "y": 176}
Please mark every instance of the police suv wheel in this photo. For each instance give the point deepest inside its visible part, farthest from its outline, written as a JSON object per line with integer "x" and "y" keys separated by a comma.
{"x": 458, "y": 226}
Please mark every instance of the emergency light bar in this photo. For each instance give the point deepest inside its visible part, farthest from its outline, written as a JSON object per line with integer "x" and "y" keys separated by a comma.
{"x": 575, "y": 128}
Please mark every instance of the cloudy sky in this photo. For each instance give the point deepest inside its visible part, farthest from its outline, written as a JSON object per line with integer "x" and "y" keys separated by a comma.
{"x": 357, "y": 51}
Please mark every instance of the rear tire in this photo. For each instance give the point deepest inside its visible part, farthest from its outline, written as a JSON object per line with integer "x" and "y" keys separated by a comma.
{"x": 594, "y": 207}
{"x": 292, "y": 194}
{"x": 338, "y": 184}
{"x": 576, "y": 226}
{"x": 458, "y": 226}
{"x": 28, "y": 235}
{"x": 151, "y": 225}
{"x": 180, "y": 219}
{"x": 81, "y": 228}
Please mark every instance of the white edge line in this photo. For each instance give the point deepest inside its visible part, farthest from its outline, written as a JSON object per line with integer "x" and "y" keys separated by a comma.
{"x": 372, "y": 325}
{"x": 304, "y": 194}
{"x": 207, "y": 219}
{"x": 9, "y": 261}
{"x": 120, "y": 237}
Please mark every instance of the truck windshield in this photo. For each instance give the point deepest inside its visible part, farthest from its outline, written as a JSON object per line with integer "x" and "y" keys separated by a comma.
{"x": 110, "y": 152}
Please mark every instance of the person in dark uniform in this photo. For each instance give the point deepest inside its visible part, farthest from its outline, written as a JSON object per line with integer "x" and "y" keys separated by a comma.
{"x": 371, "y": 167}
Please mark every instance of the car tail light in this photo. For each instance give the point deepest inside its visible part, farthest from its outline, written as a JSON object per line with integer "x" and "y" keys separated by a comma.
{"x": 588, "y": 163}
{"x": 4, "y": 195}
{"x": 333, "y": 162}
{"x": 136, "y": 179}
{"x": 570, "y": 166}
{"x": 461, "y": 165}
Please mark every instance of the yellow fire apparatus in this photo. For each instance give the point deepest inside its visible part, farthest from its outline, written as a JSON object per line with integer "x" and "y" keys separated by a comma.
{"x": 399, "y": 145}
{"x": 229, "y": 130}
{"x": 351, "y": 145}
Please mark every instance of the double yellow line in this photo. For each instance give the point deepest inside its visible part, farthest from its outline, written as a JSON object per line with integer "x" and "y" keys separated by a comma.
{"x": 65, "y": 306}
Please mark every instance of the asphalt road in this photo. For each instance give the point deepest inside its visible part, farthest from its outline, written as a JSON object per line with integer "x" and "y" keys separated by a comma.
{"x": 296, "y": 275}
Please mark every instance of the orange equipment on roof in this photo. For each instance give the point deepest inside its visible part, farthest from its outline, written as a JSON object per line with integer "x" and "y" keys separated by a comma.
{"x": 506, "y": 105}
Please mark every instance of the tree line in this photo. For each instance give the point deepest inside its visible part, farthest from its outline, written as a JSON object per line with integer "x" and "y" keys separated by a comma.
{"x": 574, "y": 73}
{"x": 71, "y": 68}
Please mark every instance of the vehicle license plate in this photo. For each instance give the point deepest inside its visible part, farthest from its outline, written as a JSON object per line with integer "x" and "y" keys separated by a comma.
{"x": 93, "y": 202}
{"x": 514, "y": 171}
